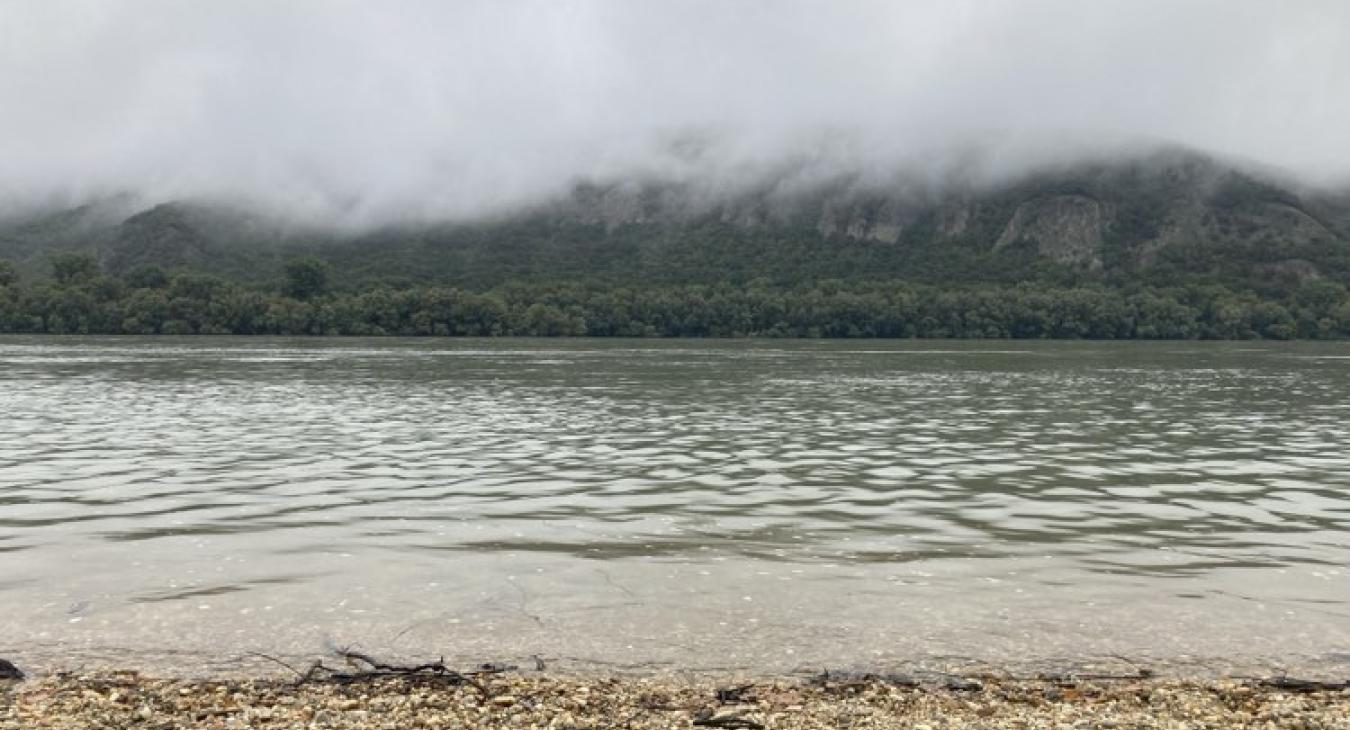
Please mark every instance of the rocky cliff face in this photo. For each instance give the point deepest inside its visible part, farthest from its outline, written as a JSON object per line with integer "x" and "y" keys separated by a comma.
{"x": 1130, "y": 213}
{"x": 1064, "y": 228}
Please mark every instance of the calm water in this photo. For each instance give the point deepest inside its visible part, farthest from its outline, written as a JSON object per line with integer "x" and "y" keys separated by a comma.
{"x": 718, "y": 505}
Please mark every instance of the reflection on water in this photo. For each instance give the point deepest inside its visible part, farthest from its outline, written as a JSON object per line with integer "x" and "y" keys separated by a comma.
{"x": 727, "y": 504}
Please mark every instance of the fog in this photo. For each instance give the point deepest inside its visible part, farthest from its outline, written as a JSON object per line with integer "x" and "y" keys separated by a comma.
{"x": 368, "y": 112}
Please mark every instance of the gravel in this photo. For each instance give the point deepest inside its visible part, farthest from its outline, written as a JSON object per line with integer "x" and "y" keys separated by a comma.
{"x": 545, "y": 700}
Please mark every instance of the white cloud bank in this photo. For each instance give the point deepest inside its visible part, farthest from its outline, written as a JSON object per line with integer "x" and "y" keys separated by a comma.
{"x": 378, "y": 110}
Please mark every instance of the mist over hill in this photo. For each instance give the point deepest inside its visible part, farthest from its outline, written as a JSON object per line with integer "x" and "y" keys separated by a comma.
{"x": 1171, "y": 244}
{"x": 1167, "y": 217}
{"x": 604, "y": 143}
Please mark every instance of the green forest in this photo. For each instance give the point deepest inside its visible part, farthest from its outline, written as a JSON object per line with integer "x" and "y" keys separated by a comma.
{"x": 78, "y": 298}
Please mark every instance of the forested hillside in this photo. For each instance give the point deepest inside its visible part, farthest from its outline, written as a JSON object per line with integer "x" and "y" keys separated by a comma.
{"x": 1167, "y": 245}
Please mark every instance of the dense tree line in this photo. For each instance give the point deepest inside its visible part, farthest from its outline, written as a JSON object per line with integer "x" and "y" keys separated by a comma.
{"x": 80, "y": 299}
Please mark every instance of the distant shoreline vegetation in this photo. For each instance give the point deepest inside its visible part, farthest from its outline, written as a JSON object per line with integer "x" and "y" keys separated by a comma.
{"x": 79, "y": 299}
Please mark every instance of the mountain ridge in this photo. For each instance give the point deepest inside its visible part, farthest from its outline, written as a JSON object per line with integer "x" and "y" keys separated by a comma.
{"x": 1168, "y": 217}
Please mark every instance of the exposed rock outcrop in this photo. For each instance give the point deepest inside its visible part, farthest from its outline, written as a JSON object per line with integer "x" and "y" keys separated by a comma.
{"x": 1065, "y": 228}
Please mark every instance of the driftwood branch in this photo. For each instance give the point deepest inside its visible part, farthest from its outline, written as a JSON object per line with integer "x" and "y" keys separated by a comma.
{"x": 849, "y": 680}
{"x": 732, "y": 721}
{"x": 732, "y": 695}
{"x": 1074, "y": 677}
{"x": 1290, "y": 684}
{"x": 363, "y": 667}
{"x": 275, "y": 660}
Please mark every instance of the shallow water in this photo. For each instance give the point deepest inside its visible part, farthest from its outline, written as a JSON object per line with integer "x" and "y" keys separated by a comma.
{"x": 735, "y": 505}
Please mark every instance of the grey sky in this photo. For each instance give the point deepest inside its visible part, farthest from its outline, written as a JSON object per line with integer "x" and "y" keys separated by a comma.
{"x": 371, "y": 110}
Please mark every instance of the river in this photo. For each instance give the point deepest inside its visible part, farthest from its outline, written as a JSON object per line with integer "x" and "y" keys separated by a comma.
{"x": 761, "y": 506}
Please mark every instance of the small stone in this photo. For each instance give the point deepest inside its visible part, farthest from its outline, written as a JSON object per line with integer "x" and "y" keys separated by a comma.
{"x": 9, "y": 671}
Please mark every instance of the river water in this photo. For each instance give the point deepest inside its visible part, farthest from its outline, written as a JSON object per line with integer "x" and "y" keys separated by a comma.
{"x": 759, "y": 506}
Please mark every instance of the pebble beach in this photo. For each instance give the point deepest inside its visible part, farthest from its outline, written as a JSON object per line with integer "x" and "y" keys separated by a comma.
{"x": 540, "y": 700}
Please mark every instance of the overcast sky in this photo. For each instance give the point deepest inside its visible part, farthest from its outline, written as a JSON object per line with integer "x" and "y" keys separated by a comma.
{"x": 441, "y": 108}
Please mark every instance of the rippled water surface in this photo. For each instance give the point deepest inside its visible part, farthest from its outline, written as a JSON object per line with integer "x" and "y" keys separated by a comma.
{"x": 732, "y": 505}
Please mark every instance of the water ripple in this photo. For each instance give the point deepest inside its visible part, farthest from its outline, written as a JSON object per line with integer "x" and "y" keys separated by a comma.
{"x": 1147, "y": 468}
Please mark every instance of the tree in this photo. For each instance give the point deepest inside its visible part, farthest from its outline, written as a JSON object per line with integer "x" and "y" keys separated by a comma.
{"x": 147, "y": 277}
{"x": 70, "y": 269}
{"x": 306, "y": 278}
{"x": 7, "y": 273}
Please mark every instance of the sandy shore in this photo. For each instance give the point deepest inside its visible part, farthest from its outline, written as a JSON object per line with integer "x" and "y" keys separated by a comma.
{"x": 543, "y": 700}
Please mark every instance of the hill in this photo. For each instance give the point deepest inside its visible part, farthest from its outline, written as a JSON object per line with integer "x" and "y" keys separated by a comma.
{"x": 1168, "y": 220}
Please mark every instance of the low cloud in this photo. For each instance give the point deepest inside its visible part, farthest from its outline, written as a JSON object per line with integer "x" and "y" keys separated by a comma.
{"x": 370, "y": 112}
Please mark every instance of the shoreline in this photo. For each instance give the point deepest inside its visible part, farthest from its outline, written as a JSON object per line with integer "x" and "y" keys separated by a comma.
{"x": 38, "y": 660}
{"x": 352, "y": 695}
